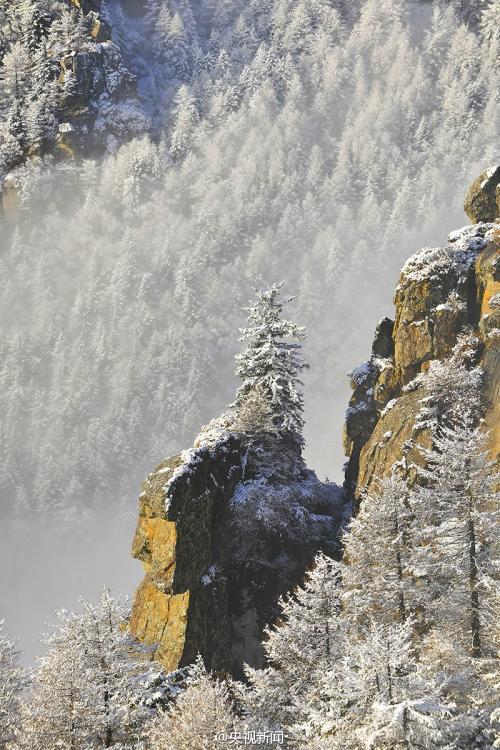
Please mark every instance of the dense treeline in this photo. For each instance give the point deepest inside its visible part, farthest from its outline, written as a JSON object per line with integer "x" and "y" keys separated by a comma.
{"x": 317, "y": 142}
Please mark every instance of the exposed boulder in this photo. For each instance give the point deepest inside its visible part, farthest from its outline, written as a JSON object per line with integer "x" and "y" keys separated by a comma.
{"x": 483, "y": 199}
{"x": 219, "y": 547}
{"x": 442, "y": 293}
{"x": 99, "y": 29}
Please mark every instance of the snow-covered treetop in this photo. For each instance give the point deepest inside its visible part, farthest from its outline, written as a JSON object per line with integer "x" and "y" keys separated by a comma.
{"x": 270, "y": 368}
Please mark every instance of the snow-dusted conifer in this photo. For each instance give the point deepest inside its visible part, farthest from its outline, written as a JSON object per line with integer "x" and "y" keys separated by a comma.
{"x": 88, "y": 690}
{"x": 490, "y": 20}
{"x": 306, "y": 642}
{"x": 450, "y": 386}
{"x": 272, "y": 362}
{"x": 186, "y": 119}
{"x": 200, "y": 712}
{"x": 459, "y": 536}
{"x": 53, "y": 714}
{"x": 12, "y": 684}
{"x": 254, "y": 415}
{"x": 377, "y": 576}
{"x": 396, "y": 706}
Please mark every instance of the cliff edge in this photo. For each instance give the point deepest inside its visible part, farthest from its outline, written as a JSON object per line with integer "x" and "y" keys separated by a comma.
{"x": 443, "y": 294}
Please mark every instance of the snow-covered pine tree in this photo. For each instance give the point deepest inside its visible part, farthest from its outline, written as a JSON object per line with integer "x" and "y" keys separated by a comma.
{"x": 201, "y": 711}
{"x": 12, "y": 684}
{"x": 186, "y": 120}
{"x": 89, "y": 690}
{"x": 377, "y": 573}
{"x": 394, "y": 706}
{"x": 490, "y": 21}
{"x": 271, "y": 365}
{"x": 306, "y": 643}
{"x": 459, "y": 538}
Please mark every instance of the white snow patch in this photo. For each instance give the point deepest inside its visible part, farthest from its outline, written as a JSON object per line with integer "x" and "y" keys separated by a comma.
{"x": 391, "y": 404}
{"x": 494, "y": 301}
{"x": 361, "y": 373}
{"x": 433, "y": 262}
{"x": 209, "y": 577}
{"x": 488, "y": 175}
{"x": 383, "y": 363}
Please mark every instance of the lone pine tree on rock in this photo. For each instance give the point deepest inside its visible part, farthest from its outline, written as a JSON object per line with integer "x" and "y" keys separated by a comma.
{"x": 269, "y": 403}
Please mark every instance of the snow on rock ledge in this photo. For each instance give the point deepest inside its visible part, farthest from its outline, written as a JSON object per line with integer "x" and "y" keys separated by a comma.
{"x": 220, "y": 548}
{"x": 442, "y": 293}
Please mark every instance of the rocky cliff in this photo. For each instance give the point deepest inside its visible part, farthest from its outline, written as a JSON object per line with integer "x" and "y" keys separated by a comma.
{"x": 442, "y": 293}
{"x": 221, "y": 542}
{"x": 76, "y": 74}
{"x": 219, "y": 546}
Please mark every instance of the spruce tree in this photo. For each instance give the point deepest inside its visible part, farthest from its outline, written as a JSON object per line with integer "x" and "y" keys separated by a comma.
{"x": 270, "y": 367}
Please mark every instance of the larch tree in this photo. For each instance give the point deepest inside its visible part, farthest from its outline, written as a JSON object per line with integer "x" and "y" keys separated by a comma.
{"x": 378, "y": 554}
{"x": 457, "y": 543}
{"x": 53, "y": 713}
{"x": 449, "y": 385}
{"x": 12, "y": 683}
{"x": 457, "y": 511}
{"x": 394, "y": 706}
{"x": 89, "y": 690}
{"x": 200, "y": 712}
{"x": 306, "y": 643}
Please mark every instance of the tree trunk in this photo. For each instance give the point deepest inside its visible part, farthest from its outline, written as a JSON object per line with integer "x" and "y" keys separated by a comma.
{"x": 406, "y": 728}
{"x": 399, "y": 571}
{"x": 473, "y": 591}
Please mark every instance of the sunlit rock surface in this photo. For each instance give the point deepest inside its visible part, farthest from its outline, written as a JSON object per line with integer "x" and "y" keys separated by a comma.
{"x": 215, "y": 566}
{"x": 442, "y": 293}
{"x": 483, "y": 199}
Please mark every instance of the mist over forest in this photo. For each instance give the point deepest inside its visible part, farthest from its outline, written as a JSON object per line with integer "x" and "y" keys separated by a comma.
{"x": 319, "y": 143}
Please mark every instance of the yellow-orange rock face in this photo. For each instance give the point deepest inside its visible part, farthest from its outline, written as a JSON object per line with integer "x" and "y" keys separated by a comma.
{"x": 159, "y": 620}
{"x": 179, "y": 508}
{"x": 442, "y": 293}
